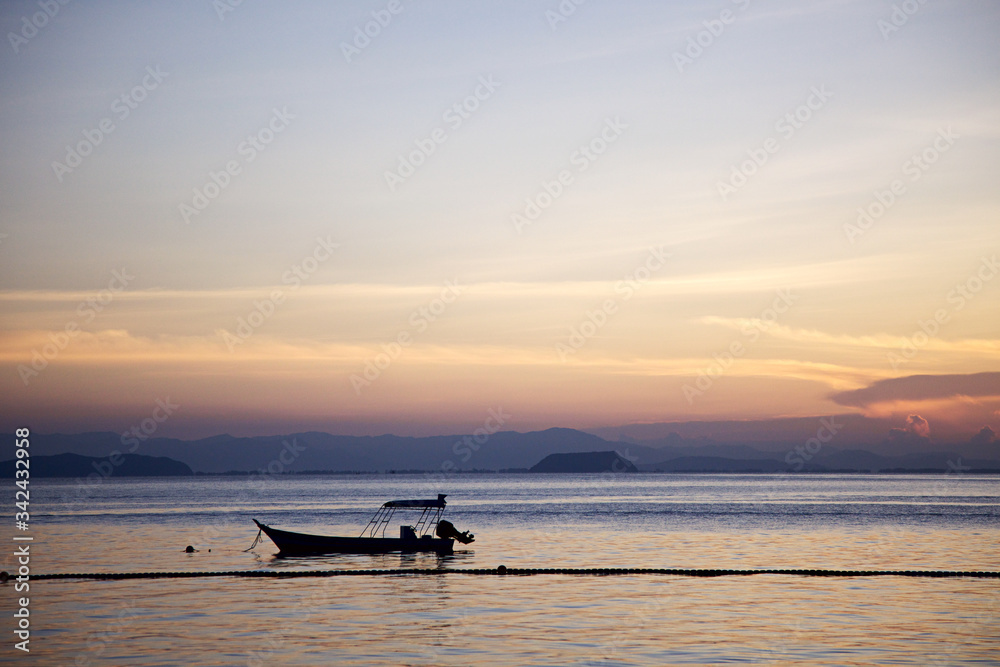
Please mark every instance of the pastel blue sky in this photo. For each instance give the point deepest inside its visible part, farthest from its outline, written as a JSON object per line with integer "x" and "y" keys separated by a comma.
{"x": 878, "y": 99}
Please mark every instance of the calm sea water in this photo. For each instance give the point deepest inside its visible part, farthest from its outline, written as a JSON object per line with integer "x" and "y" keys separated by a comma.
{"x": 683, "y": 521}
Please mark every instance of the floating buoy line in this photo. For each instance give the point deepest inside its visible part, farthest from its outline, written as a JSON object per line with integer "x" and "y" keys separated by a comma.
{"x": 508, "y": 571}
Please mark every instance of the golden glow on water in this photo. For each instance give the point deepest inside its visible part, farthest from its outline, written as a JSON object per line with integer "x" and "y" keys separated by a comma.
{"x": 531, "y": 620}
{"x": 543, "y": 620}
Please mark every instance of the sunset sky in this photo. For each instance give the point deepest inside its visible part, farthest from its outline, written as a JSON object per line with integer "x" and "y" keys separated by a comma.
{"x": 634, "y": 212}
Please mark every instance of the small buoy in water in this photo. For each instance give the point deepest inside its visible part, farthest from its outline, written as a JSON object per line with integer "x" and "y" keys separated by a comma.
{"x": 190, "y": 549}
{"x": 502, "y": 569}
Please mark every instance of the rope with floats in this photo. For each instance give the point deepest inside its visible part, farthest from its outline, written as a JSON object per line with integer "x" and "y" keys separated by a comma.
{"x": 505, "y": 571}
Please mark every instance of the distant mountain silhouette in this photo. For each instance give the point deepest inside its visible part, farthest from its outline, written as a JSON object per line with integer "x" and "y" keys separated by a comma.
{"x": 325, "y": 452}
{"x": 852, "y": 429}
{"x": 75, "y": 465}
{"x": 314, "y": 451}
{"x": 584, "y": 462}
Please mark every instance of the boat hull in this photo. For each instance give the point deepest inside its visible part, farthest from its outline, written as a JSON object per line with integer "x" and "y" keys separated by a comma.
{"x": 301, "y": 544}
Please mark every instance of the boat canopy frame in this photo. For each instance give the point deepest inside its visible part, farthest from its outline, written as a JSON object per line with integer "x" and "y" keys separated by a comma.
{"x": 430, "y": 515}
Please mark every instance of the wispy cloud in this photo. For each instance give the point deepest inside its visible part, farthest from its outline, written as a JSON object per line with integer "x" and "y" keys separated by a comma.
{"x": 879, "y": 341}
{"x": 921, "y": 388}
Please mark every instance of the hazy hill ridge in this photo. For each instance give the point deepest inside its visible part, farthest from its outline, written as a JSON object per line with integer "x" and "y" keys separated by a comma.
{"x": 69, "y": 464}
{"x": 314, "y": 451}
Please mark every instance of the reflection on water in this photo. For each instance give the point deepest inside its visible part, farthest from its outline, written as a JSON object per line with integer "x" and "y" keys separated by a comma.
{"x": 863, "y": 522}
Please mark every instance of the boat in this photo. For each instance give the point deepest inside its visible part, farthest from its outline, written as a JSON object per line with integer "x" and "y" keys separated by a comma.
{"x": 428, "y": 533}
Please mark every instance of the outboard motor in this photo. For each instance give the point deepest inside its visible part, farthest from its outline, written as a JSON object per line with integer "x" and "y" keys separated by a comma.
{"x": 447, "y": 529}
